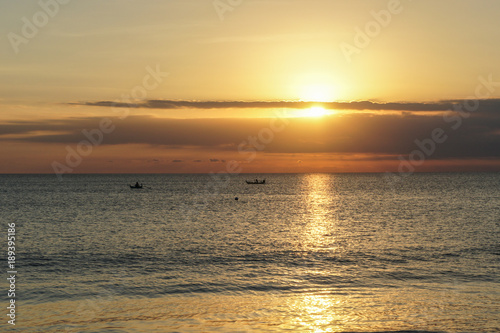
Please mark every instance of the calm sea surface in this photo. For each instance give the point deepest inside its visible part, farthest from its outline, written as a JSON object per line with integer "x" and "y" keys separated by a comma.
{"x": 311, "y": 253}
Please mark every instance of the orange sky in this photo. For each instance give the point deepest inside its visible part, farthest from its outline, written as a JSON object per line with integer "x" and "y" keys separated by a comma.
{"x": 183, "y": 86}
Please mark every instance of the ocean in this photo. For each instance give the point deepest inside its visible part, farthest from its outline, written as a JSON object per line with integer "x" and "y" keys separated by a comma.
{"x": 301, "y": 253}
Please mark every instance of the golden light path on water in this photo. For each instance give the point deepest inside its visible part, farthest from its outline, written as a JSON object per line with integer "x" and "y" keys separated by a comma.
{"x": 317, "y": 311}
{"x": 319, "y": 223}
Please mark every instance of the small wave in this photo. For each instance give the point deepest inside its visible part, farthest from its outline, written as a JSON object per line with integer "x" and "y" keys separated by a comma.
{"x": 400, "y": 332}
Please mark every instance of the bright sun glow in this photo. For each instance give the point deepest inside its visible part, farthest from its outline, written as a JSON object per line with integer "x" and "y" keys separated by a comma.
{"x": 317, "y": 93}
{"x": 315, "y": 111}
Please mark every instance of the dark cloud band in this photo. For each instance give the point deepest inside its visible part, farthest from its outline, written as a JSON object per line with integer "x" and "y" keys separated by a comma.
{"x": 490, "y": 104}
{"x": 476, "y": 135}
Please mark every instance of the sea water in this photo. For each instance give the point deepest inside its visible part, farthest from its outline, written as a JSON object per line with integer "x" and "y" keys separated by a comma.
{"x": 304, "y": 252}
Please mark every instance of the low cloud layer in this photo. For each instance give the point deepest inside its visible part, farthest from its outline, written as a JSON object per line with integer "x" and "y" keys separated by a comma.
{"x": 470, "y": 135}
{"x": 488, "y": 105}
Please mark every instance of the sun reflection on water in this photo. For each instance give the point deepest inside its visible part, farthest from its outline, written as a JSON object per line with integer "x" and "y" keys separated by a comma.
{"x": 319, "y": 219}
{"x": 317, "y": 311}
{"x": 317, "y": 314}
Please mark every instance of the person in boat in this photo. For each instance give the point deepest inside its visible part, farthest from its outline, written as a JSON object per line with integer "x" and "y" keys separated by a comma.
{"x": 256, "y": 180}
{"x": 137, "y": 184}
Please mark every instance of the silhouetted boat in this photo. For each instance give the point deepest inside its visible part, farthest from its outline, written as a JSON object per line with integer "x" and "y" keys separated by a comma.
{"x": 137, "y": 185}
{"x": 255, "y": 182}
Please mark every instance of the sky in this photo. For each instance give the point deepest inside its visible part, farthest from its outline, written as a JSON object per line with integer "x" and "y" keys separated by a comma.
{"x": 126, "y": 86}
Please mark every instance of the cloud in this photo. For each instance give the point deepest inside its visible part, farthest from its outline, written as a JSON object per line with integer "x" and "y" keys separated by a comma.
{"x": 177, "y": 161}
{"x": 477, "y": 136}
{"x": 260, "y": 38}
{"x": 487, "y": 105}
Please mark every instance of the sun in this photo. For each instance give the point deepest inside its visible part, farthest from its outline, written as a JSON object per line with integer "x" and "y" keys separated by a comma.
{"x": 317, "y": 93}
{"x": 315, "y": 111}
